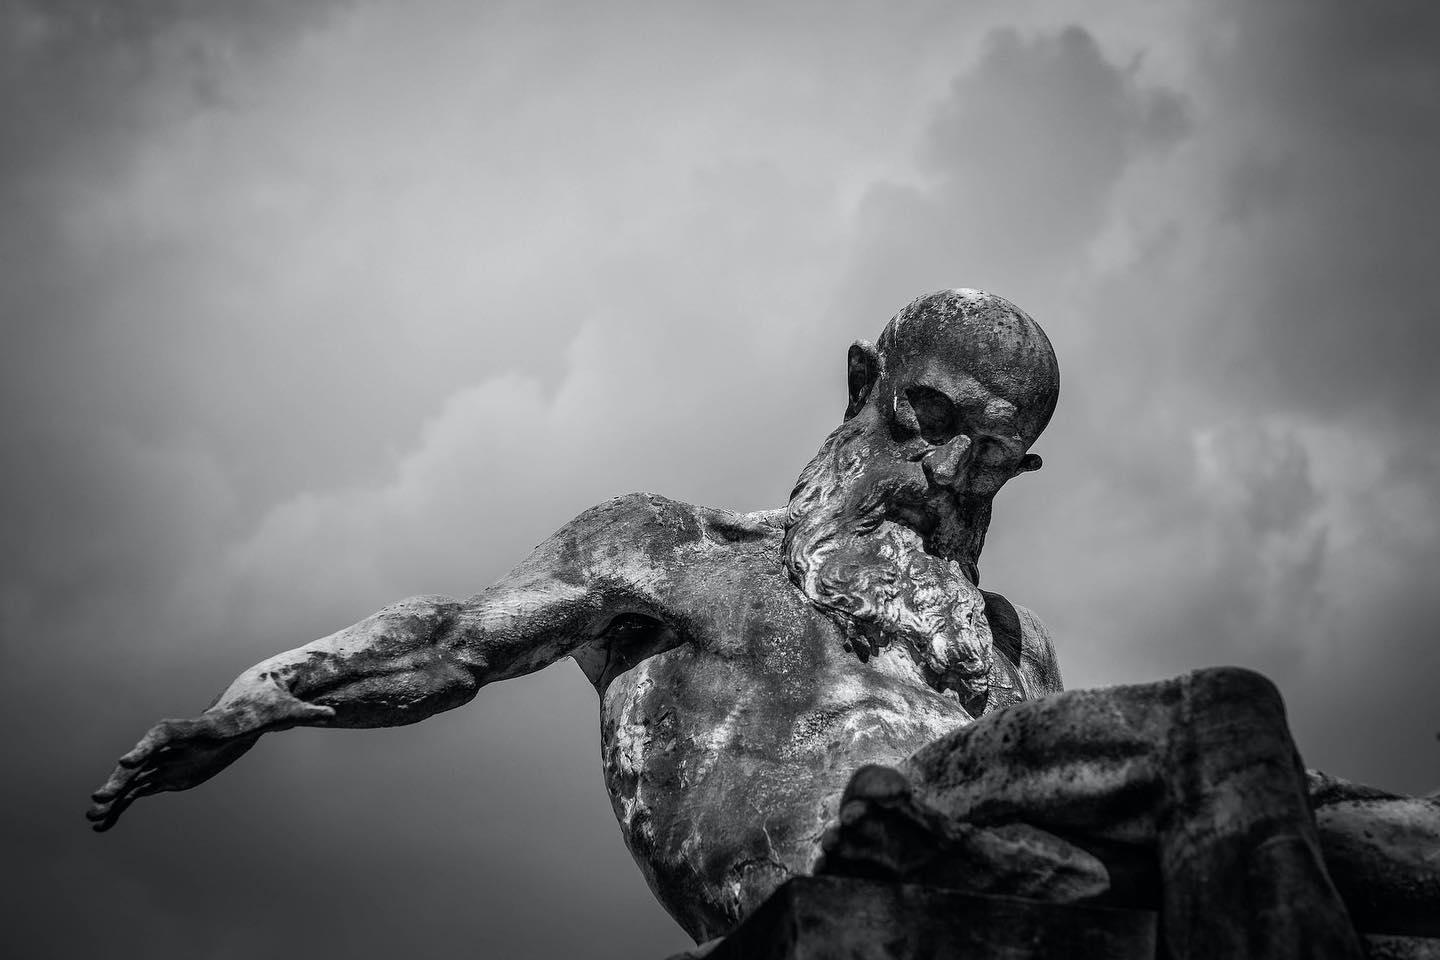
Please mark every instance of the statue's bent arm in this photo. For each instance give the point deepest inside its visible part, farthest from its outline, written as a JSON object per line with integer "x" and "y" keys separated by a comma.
{"x": 412, "y": 659}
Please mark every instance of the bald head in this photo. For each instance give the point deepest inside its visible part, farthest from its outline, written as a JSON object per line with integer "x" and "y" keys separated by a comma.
{"x": 949, "y": 402}
{"x": 971, "y": 333}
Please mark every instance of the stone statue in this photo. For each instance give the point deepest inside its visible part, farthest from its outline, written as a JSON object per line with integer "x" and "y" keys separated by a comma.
{"x": 748, "y": 664}
{"x": 1185, "y": 796}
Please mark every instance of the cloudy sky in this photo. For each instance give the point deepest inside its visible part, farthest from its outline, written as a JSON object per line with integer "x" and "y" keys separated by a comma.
{"x": 309, "y": 308}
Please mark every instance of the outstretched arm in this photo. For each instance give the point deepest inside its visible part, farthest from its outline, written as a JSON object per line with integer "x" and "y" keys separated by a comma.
{"x": 406, "y": 662}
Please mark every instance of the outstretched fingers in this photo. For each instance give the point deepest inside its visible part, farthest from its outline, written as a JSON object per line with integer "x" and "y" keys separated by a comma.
{"x": 179, "y": 754}
{"x": 137, "y": 773}
{"x": 110, "y": 801}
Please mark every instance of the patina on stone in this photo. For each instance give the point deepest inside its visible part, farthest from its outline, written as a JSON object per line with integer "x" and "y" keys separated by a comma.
{"x": 747, "y": 664}
{"x": 833, "y": 918}
{"x": 1191, "y": 794}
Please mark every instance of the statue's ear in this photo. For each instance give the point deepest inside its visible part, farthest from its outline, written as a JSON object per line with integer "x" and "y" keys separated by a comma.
{"x": 864, "y": 370}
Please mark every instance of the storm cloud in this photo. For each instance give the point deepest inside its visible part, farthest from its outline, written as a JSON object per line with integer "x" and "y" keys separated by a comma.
{"x": 308, "y": 308}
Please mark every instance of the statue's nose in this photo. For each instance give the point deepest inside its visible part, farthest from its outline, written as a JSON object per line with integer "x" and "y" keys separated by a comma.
{"x": 946, "y": 466}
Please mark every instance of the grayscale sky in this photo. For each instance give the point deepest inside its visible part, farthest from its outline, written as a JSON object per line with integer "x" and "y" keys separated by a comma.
{"x": 307, "y": 308}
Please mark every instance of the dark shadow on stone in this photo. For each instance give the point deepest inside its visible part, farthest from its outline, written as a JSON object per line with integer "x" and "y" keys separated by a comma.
{"x": 843, "y": 918}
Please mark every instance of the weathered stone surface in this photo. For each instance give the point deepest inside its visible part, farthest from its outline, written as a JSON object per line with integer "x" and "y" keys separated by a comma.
{"x": 885, "y": 832}
{"x": 834, "y": 918}
{"x": 1194, "y": 781}
{"x": 747, "y": 664}
{"x": 1384, "y": 853}
{"x": 1390, "y": 947}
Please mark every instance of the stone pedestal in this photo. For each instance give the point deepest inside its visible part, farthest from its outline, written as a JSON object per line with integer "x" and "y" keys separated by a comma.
{"x": 841, "y": 918}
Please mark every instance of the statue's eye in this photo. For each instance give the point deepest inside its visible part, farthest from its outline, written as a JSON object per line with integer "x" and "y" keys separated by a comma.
{"x": 936, "y": 415}
{"x": 988, "y": 450}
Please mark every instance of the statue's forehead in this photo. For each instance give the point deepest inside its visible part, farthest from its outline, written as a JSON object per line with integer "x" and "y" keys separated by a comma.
{"x": 969, "y": 364}
{"x": 968, "y": 384}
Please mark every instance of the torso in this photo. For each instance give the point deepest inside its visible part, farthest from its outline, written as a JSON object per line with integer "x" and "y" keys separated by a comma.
{"x": 725, "y": 756}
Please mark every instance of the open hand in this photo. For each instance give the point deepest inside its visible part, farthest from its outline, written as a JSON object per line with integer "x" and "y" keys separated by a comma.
{"x": 180, "y": 754}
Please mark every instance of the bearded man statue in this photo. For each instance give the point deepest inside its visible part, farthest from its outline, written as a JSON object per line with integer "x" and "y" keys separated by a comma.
{"x": 749, "y": 663}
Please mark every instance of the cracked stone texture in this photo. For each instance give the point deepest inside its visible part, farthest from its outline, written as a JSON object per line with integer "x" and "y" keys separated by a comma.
{"x": 834, "y": 918}
{"x": 1185, "y": 796}
{"x": 841, "y": 918}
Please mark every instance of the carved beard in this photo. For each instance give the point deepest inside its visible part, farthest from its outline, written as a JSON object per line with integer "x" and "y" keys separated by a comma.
{"x": 875, "y": 576}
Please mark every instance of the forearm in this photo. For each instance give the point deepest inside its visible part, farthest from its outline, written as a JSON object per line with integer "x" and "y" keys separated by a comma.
{"x": 395, "y": 667}
{"x": 411, "y": 660}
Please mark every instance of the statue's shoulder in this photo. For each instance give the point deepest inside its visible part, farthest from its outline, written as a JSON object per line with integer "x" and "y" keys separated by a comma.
{"x": 659, "y": 520}
{"x": 1024, "y": 640}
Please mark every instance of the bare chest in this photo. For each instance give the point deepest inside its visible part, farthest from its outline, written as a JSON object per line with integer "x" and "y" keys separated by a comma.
{"x": 724, "y": 771}
{"x": 761, "y": 699}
